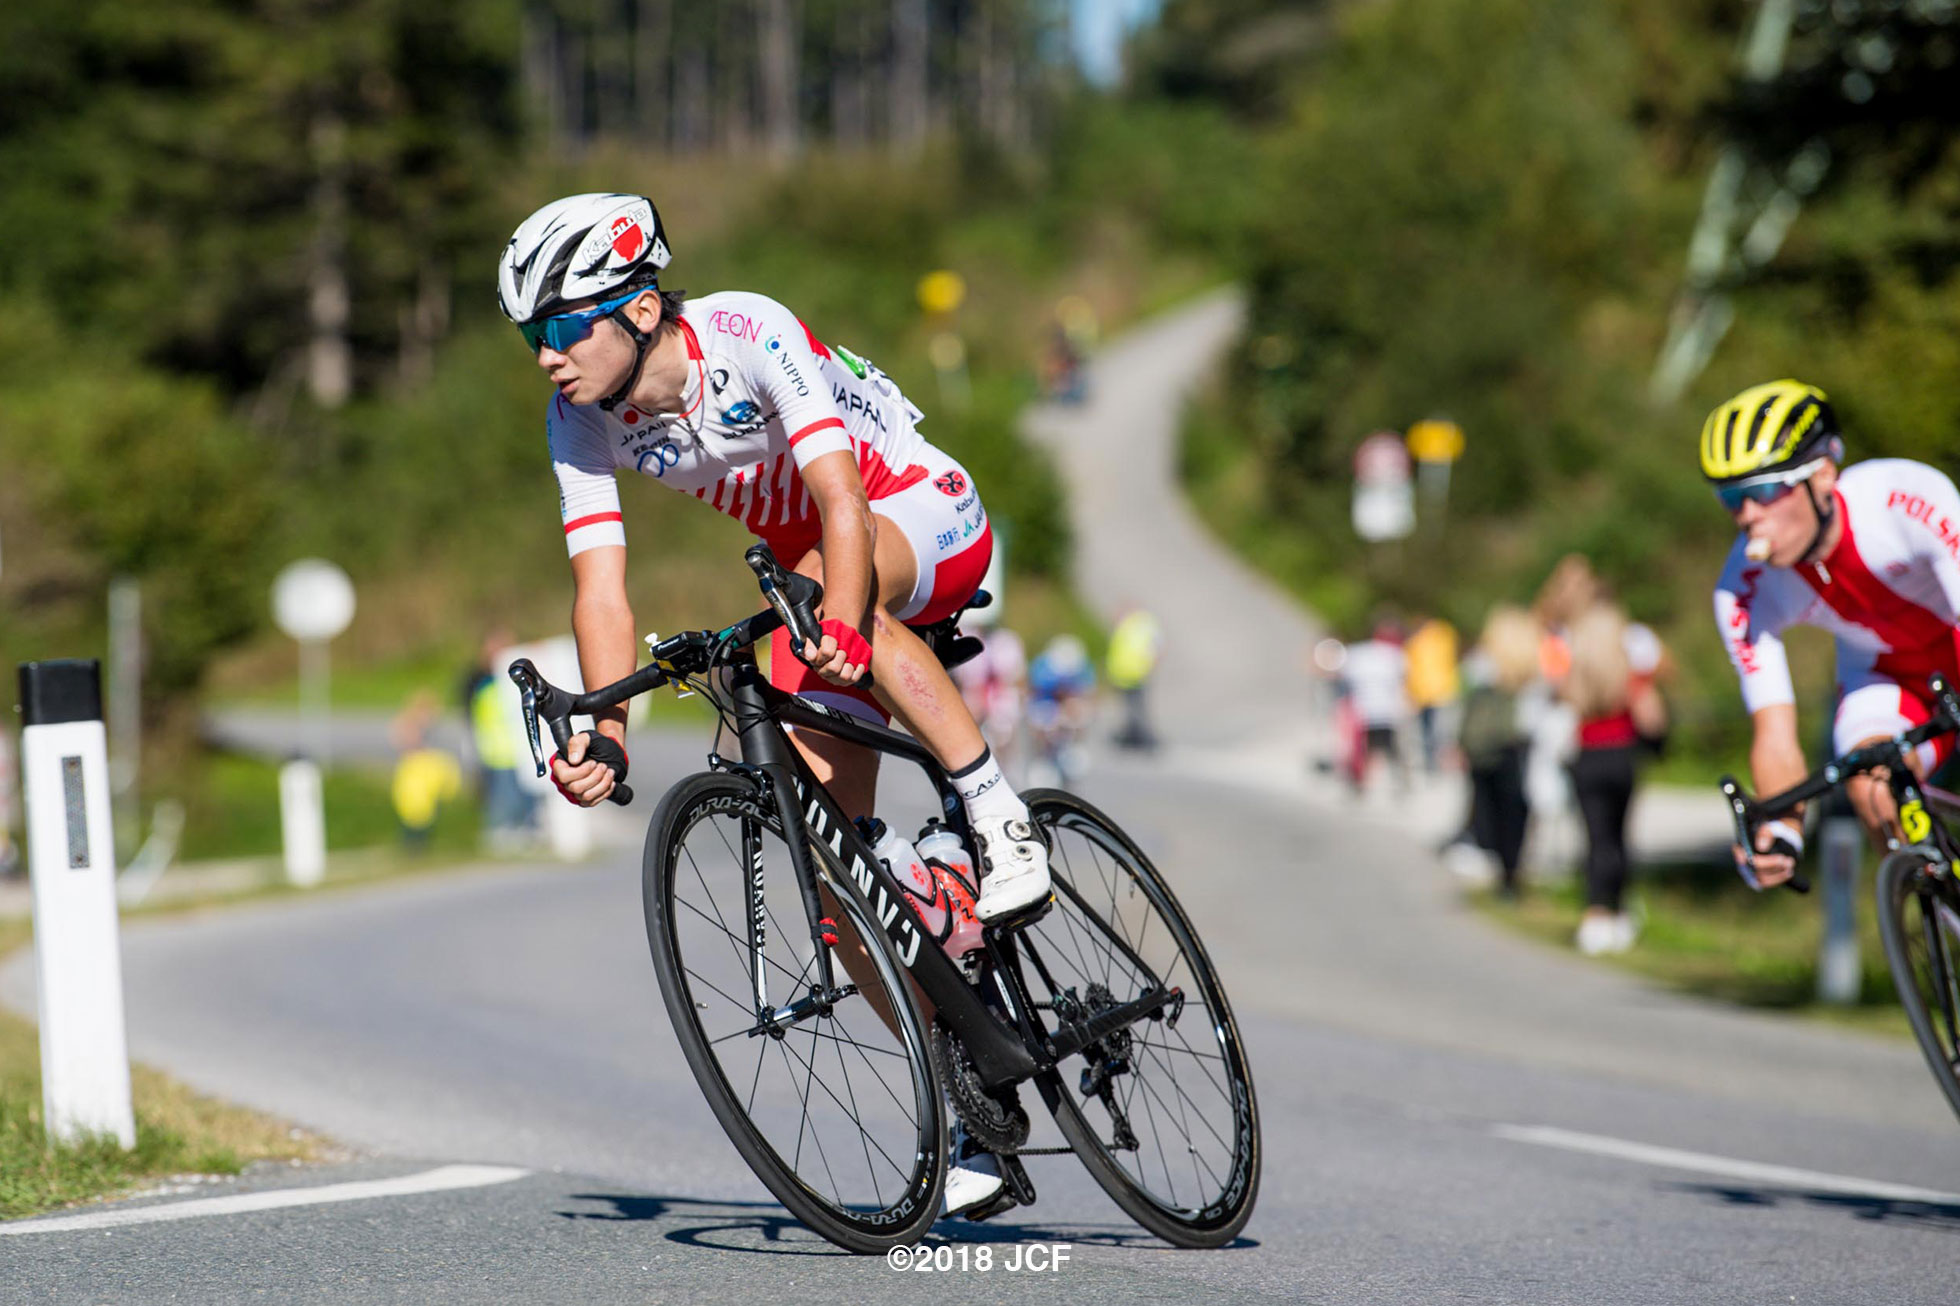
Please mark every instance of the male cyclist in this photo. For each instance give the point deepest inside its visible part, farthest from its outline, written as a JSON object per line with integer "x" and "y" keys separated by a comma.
{"x": 1867, "y": 552}
{"x": 731, "y": 399}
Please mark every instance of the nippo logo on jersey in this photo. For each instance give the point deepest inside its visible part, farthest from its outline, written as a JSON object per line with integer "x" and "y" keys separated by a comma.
{"x": 628, "y": 238}
{"x": 952, "y": 483}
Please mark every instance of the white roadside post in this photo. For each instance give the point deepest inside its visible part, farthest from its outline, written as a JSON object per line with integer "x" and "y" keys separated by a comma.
{"x": 72, "y": 856}
{"x": 312, "y": 601}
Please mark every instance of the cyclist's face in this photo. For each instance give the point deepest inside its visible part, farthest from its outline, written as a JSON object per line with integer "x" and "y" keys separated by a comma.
{"x": 1787, "y": 526}
{"x": 594, "y": 367}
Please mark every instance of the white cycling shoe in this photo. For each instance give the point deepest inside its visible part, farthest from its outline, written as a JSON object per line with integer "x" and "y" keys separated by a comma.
{"x": 973, "y": 1176}
{"x": 1015, "y": 868}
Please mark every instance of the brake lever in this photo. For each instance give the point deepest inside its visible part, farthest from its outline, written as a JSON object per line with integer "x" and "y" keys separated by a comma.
{"x": 527, "y": 678}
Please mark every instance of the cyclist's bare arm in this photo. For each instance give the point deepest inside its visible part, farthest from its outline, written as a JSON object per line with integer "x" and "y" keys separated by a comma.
{"x": 849, "y": 537}
{"x": 1775, "y": 764}
{"x": 602, "y": 623}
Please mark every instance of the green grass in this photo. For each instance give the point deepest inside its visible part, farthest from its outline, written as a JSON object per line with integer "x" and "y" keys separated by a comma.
{"x": 1704, "y": 933}
{"x": 231, "y": 810}
{"x": 177, "y": 1131}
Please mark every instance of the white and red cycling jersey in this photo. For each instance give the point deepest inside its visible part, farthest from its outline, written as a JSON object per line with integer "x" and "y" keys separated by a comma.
{"x": 763, "y": 399}
{"x": 1889, "y": 592}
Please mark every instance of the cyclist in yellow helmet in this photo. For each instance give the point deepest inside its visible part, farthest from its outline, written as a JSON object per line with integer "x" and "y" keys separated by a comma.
{"x": 1869, "y": 552}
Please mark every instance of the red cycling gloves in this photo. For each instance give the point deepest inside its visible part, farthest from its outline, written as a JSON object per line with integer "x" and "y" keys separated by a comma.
{"x": 856, "y": 649}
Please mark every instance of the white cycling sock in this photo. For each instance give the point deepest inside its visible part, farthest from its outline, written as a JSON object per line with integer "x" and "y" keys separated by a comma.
{"x": 985, "y": 791}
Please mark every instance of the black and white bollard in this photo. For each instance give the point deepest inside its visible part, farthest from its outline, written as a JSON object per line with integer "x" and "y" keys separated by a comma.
{"x": 72, "y": 856}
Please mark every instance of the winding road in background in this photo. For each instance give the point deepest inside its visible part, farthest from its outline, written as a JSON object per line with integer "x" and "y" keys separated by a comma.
{"x": 1451, "y": 1113}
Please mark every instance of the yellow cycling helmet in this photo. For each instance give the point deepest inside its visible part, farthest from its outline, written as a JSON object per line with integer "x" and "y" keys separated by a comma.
{"x": 1768, "y": 428}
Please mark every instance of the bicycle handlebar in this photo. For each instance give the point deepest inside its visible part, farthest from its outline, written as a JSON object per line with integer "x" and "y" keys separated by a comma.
{"x": 793, "y": 601}
{"x": 1750, "y": 813}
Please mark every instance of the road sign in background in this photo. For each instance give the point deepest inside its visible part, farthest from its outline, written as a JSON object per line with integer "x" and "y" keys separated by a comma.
{"x": 1384, "y": 502}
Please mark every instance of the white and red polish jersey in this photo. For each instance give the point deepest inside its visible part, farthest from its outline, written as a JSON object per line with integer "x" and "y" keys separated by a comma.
{"x": 764, "y": 398}
{"x": 1889, "y": 591}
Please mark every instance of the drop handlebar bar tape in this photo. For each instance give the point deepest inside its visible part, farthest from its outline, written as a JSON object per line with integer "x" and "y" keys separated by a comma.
{"x": 603, "y": 749}
{"x": 856, "y": 650}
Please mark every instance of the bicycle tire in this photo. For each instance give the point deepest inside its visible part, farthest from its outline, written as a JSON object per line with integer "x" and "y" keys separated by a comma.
{"x": 1097, "y": 897}
{"x": 1919, "y": 921}
{"x": 696, "y": 941}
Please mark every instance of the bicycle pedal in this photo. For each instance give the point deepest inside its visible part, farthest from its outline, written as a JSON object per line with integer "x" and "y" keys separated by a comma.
{"x": 1028, "y": 915}
{"x": 1004, "y": 1200}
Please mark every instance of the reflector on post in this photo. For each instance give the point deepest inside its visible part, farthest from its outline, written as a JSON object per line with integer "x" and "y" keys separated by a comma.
{"x": 72, "y": 856}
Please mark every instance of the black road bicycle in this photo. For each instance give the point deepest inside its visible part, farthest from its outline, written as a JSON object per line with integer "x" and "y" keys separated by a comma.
{"x": 831, "y": 1082}
{"x": 1918, "y": 899}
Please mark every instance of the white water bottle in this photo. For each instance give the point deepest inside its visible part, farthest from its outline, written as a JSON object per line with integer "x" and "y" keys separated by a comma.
{"x": 906, "y": 866}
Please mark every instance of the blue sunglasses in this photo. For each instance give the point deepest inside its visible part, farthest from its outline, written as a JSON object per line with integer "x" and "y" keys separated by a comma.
{"x": 567, "y": 329}
{"x": 1766, "y": 490}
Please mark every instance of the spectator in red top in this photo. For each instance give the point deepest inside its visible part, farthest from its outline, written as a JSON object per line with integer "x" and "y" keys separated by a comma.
{"x": 1619, "y": 709}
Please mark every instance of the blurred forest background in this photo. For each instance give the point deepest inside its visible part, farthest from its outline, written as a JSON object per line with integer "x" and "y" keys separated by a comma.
{"x": 247, "y": 246}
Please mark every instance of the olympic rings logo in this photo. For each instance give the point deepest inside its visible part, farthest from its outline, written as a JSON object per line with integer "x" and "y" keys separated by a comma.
{"x": 662, "y": 456}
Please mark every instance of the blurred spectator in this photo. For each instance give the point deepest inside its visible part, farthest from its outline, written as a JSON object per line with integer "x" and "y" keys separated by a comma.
{"x": 1492, "y": 736}
{"x": 994, "y": 684}
{"x": 1132, "y": 659}
{"x": 1433, "y": 684}
{"x": 1376, "y": 675}
{"x": 498, "y": 745}
{"x": 425, "y": 777}
{"x": 1618, "y": 708}
{"x": 1061, "y": 684}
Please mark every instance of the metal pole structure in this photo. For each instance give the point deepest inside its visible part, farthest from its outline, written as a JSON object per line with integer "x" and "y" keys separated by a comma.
{"x": 126, "y": 707}
{"x": 1702, "y": 314}
{"x": 315, "y": 700}
{"x": 71, "y": 850}
{"x": 1840, "y": 977}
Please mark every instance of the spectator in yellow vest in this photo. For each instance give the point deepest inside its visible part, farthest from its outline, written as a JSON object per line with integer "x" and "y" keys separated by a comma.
{"x": 1132, "y": 658}
{"x": 1433, "y": 685}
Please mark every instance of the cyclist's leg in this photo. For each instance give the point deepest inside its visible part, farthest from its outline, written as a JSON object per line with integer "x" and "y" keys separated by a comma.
{"x": 932, "y": 547}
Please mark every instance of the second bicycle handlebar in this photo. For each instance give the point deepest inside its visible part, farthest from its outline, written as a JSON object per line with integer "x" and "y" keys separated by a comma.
{"x": 1749, "y": 813}
{"x": 793, "y": 601}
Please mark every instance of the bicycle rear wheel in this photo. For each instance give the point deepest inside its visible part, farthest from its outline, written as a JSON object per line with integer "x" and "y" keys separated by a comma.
{"x": 1161, "y": 1112}
{"x": 1919, "y": 919}
{"x": 836, "y": 1111}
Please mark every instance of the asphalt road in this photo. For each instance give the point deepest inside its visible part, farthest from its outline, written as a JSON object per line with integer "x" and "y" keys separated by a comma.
{"x": 1450, "y": 1114}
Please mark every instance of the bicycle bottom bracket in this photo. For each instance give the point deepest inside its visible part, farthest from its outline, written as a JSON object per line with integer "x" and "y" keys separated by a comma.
{"x": 996, "y": 1121}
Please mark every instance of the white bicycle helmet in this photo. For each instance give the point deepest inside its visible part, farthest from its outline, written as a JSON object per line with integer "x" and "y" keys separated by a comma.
{"x": 581, "y": 247}
{"x": 594, "y": 246}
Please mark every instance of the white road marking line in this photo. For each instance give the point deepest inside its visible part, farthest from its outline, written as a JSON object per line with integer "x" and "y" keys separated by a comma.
{"x": 1703, "y": 1163}
{"x": 441, "y": 1179}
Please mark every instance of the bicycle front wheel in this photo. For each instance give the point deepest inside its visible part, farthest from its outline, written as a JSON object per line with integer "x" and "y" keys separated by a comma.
{"x": 1919, "y": 919}
{"x": 1161, "y": 1112}
{"x": 830, "y": 1098}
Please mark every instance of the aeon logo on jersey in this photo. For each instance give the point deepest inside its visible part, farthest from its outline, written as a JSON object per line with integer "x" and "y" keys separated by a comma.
{"x": 628, "y": 238}
{"x": 951, "y": 484}
{"x": 736, "y": 324}
{"x": 744, "y": 411}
